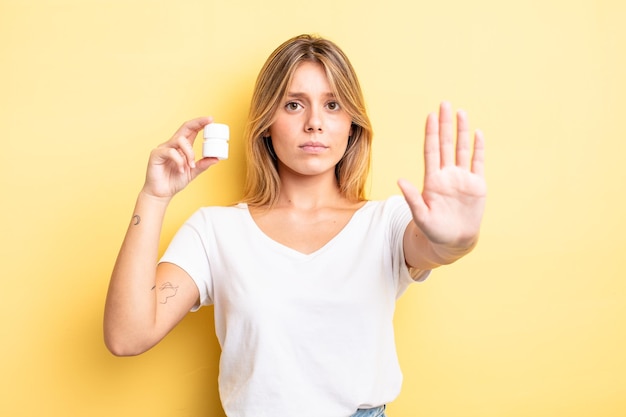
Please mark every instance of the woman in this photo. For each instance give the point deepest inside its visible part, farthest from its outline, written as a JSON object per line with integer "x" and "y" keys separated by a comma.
{"x": 304, "y": 273}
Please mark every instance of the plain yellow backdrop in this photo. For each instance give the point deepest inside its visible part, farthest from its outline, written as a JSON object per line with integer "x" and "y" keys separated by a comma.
{"x": 531, "y": 323}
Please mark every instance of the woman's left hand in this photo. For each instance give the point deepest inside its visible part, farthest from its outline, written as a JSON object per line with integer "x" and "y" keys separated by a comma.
{"x": 450, "y": 207}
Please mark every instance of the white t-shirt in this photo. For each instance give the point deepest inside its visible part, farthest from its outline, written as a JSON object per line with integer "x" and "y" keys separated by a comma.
{"x": 301, "y": 334}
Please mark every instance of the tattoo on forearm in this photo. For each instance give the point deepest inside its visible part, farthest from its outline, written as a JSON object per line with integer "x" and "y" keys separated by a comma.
{"x": 167, "y": 291}
{"x": 136, "y": 219}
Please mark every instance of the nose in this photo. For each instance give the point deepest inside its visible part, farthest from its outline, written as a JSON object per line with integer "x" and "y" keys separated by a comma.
{"x": 314, "y": 121}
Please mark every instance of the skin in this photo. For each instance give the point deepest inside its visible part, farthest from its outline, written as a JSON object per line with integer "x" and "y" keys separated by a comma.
{"x": 310, "y": 130}
{"x": 447, "y": 213}
{"x": 309, "y": 134}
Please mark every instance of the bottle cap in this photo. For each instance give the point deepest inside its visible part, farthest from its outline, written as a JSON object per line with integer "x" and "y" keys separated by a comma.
{"x": 216, "y": 131}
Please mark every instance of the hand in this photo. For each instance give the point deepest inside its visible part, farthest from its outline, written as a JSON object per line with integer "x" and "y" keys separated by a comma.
{"x": 172, "y": 165}
{"x": 450, "y": 207}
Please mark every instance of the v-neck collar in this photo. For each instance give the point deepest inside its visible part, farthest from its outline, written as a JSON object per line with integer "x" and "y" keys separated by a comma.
{"x": 289, "y": 251}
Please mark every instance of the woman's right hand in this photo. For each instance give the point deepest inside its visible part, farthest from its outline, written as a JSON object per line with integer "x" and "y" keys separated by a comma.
{"x": 172, "y": 165}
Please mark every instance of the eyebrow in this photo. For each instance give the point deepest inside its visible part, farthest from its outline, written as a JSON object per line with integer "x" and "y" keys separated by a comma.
{"x": 296, "y": 94}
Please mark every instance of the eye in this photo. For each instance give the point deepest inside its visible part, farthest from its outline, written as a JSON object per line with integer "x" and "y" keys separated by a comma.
{"x": 292, "y": 105}
{"x": 333, "y": 105}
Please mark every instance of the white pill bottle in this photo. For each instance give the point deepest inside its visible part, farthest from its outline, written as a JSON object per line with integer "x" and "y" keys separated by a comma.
{"x": 215, "y": 143}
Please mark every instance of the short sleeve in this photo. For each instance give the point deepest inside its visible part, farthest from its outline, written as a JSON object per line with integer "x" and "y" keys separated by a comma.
{"x": 398, "y": 217}
{"x": 189, "y": 250}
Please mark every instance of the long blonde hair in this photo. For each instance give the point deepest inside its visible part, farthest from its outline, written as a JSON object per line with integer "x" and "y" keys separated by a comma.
{"x": 262, "y": 180}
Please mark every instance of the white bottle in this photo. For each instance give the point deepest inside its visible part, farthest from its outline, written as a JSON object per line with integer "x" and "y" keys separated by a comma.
{"x": 215, "y": 143}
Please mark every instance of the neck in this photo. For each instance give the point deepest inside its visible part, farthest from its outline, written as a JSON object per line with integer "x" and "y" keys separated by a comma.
{"x": 309, "y": 192}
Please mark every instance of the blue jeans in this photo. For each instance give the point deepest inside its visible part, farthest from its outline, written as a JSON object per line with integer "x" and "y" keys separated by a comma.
{"x": 370, "y": 412}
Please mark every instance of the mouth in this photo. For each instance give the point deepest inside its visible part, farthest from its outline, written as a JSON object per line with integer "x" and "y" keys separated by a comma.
{"x": 313, "y": 147}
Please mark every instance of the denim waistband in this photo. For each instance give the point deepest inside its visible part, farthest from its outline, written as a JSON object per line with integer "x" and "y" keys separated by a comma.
{"x": 370, "y": 412}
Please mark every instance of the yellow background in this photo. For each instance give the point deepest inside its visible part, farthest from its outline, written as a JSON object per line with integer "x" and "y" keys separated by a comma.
{"x": 532, "y": 323}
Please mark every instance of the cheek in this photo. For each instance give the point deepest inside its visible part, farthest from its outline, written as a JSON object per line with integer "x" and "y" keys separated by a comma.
{"x": 345, "y": 129}
{"x": 281, "y": 129}
{"x": 345, "y": 123}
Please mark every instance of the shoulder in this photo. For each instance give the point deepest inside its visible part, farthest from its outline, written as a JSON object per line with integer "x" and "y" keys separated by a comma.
{"x": 218, "y": 214}
{"x": 392, "y": 213}
{"x": 388, "y": 206}
{"x": 235, "y": 209}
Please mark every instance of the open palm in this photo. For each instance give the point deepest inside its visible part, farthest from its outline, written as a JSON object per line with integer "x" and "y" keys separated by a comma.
{"x": 450, "y": 207}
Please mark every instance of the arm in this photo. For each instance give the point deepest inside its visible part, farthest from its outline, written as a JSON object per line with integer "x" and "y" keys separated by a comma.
{"x": 448, "y": 212}
{"x": 144, "y": 302}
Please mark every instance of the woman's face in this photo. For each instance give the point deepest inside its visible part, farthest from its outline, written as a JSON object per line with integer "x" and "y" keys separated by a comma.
{"x": 310, "y": 130}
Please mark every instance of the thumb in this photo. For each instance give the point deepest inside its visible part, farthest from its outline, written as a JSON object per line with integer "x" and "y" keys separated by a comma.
{"x": 203, "y": 164}
{"x": 414, "y": 199}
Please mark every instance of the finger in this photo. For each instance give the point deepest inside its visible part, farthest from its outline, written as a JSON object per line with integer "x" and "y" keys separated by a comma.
{"x": 446, "y": 134}
{"x": 478, "y": 159}
{"x": 173, "y": 156}
{"x": 413, "y": 198}
{"x": 186, "y": 149}
{"x": 432, "y": 161}
{"x": 463, "y": 151}
{"x": 191, "y": 128}
{"x": 203, "y": 164}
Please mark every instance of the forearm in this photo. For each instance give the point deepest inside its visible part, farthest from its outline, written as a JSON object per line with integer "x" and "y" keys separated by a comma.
{"x": 130, "y": 310}
{"x": 134, "y": 318}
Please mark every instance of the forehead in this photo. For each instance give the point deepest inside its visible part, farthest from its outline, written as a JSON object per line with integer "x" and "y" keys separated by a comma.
{"x": 309, "y": 75}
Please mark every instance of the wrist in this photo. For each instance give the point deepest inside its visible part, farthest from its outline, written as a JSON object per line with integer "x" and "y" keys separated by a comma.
{"x": 149, "y": 198}
{"x": 449, "y": 253}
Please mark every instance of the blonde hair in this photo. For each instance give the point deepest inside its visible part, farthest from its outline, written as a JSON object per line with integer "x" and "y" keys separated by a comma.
{"x": 262, "y": 180}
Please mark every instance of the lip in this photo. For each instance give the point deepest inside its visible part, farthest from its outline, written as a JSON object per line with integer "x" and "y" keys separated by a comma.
{"x": 313, "y": 147}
